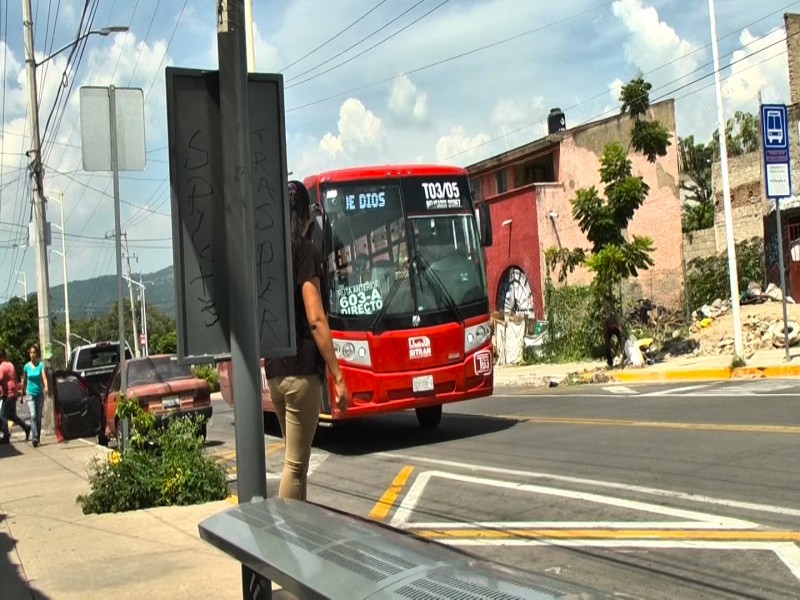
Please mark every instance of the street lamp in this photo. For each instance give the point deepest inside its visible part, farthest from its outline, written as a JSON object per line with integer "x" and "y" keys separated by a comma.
{"x": 142, "y": 288}
{"x": 24, "y": 283}
{"x": 83, "y": 339}
{"x": 59, "y": 197}
{"x": 104, "y": 31}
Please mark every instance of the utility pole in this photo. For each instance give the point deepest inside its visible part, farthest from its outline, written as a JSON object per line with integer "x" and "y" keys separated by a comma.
{"x": 146, "y": 348}
{"x": 63, "y": 253}
{"x": 738, "y": 346}
{"x": 130, "y": 293}
{"x": 240, "y": 249}
{"x": 39, "y": 217}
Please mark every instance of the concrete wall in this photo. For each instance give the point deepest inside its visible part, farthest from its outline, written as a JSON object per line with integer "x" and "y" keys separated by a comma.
{"x": 577, "y": 155}
{"x": 792, "y": 24}
{"x": 747, "y": 203}
{"x": 699, "y": 244}
{"x": 659, "y": 217}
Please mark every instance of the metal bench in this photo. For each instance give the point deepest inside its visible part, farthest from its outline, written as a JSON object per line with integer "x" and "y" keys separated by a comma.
{"x": 316, "y": 552}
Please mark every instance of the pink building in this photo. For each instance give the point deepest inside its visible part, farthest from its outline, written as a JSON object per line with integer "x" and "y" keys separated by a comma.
{"x": 529, "y": 191}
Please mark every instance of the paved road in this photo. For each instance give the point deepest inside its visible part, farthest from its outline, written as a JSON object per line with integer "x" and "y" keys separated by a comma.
{"x": 656, "y": 491}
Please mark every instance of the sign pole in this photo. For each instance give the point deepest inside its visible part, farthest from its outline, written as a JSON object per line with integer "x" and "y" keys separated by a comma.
{"x": 783, "y": 278}
{"x": 240, "y": 268}
{"x": 112, "y": 112}
{"x": 777, "y": 183}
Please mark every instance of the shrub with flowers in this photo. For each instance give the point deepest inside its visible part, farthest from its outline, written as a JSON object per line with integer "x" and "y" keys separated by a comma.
{"x": 161, "y": 467}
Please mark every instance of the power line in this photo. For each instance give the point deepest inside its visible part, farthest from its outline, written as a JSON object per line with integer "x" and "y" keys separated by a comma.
{"x": 517, "y": 36}
{"x": 601, "y": 115}
{"x": 330, "y": 39}
{"x": 365, "y": 38}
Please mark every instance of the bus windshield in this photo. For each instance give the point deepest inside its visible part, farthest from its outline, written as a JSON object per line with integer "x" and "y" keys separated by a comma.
{"x": 386, "y": 267}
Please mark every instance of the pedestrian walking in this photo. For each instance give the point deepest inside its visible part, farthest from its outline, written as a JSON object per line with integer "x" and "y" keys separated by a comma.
{"x": 295, "y": 383}
{"x": 4, "y": 424}
{"x": 34, "y": 388}
{"x": 10, "y": 391}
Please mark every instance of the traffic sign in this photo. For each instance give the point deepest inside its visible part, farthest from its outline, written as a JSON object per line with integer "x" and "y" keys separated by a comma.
{"x": 775, "y": 135}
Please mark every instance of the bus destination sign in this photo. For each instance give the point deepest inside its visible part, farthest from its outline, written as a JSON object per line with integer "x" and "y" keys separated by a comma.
{"x": 441, "y": 195}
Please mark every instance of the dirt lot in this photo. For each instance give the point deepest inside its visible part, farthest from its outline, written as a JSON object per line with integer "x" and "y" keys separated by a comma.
{"x": 717, "y": 338}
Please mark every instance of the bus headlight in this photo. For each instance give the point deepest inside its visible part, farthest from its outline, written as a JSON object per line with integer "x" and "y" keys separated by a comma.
{"x": 476, "y": 336}
{"x": 353, "y": 351}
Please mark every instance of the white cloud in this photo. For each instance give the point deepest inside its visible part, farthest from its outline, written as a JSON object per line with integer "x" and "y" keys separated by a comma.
{"x": 457, "y": 146}
{"x": 514, "y": 112}
{"x": 615, "y": 89}
{"x": 757, "y": 67}
{"x": 652, "y": 43}
{"x": 359, "y": 128}
{"x": 406, "y": 103}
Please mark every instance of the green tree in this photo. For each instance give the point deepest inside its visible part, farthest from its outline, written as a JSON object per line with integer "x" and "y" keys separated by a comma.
{"x": 741, "y": 135}
{"x": 19, "y": 328}
{"x": 695, "y": 165}
{"x": 614, "y": 255}
{"x": 160, "y": 329}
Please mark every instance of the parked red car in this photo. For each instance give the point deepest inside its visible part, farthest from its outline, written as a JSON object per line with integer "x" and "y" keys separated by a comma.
{"x": 164, "y": 387}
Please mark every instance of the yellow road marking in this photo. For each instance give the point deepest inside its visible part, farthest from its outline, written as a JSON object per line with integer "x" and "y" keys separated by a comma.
{"x": 659, "y": 424}
{"x": 384, "y": 505}
{"x": 274, "y": 447}
{"x": 661, "y": 534}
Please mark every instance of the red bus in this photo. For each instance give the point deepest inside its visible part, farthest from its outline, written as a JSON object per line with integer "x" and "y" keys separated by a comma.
{"x": 405, "y": 288}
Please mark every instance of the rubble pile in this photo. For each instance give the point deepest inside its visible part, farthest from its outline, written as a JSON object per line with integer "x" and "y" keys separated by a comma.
{"x": 759, "y": 331}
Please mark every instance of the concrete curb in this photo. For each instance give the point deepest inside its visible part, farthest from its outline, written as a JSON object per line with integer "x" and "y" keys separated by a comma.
{"x": 709, "y": 373}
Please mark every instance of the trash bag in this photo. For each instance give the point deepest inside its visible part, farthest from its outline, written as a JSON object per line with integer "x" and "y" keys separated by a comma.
{"x": 633, "y": 353}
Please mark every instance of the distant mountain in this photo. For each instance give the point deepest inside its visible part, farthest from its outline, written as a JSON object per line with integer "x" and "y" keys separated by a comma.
{"x": 95, "y": 297}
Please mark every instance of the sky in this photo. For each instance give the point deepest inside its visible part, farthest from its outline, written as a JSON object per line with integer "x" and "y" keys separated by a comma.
{"x": 366, "y": 81}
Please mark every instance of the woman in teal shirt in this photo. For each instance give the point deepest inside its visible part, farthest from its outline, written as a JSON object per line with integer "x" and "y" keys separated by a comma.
{"x": 34, "y": 387}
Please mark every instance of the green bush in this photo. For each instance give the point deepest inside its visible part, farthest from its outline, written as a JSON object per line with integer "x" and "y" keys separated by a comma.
{"x": 209, "y": 373}
{"x": 574, "y": 324}
{"x": 707, "y": 278}
{"x": 161, "y": 467}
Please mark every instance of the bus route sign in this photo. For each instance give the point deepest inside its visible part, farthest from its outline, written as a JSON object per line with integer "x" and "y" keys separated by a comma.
{"x": 775, "y": 133}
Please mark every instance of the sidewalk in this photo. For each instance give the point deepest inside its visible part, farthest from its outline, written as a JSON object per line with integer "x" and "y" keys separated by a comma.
{"x": 50, "y": 549}
{"x": 762, "y": 364}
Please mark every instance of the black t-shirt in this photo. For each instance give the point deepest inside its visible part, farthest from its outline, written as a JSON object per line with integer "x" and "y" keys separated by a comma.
{"x": 308, "y": 361}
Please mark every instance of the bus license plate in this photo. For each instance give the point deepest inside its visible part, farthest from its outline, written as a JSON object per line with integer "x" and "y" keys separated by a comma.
{"x": 170, "y": 402}
{"x": 423, "y": 383}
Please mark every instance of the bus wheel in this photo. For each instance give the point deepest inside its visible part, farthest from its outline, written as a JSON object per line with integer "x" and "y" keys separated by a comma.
{"x": 429, "y": 417}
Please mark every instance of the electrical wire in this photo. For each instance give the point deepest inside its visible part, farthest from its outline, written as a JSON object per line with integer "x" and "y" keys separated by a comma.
{"x": 330, "y": 39}
{"x": 361, "y": 41}
{"x": 607, "y": 112}
{"x": 517, "y": 36}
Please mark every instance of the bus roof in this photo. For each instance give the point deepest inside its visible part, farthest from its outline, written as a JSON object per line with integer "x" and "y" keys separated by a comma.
{"x": 383, "y": 171}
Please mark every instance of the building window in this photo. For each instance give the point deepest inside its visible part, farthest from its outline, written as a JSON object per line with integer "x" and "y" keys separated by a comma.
{"x": 475, "y": 188}
{"x": 538, "y": 170}
{"x": 502, "y": 184}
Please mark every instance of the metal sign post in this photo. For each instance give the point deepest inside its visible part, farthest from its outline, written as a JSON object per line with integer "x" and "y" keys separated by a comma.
{"x": 239, "y": 217}
{"x": 105, "y": 113}
{"x": 778, "y": 183}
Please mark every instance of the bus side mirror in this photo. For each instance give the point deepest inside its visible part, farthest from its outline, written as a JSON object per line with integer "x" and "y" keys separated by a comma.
{"x": 484, "y": 216}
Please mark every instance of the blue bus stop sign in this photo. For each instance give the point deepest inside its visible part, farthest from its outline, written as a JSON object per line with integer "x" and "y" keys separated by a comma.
{"x": 774, "y": 130}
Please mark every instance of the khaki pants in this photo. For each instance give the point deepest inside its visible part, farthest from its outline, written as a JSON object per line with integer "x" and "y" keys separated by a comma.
{"x": 297, "y": 401}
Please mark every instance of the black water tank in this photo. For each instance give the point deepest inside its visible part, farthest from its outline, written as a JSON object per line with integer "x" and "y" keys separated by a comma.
{"x": 556, "y": 121}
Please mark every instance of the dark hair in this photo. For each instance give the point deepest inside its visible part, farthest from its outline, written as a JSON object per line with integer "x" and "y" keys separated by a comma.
{"x": 299, "y": 210}
{"x": 2, "y": 353}
{"x": 35, "y": 347}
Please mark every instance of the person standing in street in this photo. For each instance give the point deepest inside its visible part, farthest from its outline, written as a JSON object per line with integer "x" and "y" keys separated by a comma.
{"x": 295, "y": 383}
{"x": 8, "y": 385}
{"x": 34, "y": 387}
